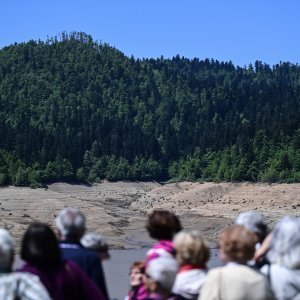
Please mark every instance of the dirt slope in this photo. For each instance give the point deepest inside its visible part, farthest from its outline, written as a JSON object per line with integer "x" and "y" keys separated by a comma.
{"x": 118, "y": 210}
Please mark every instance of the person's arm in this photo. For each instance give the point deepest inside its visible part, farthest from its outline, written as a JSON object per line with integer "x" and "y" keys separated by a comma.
{"x": 97, "y": 275}
{"x": 265, "y": 247}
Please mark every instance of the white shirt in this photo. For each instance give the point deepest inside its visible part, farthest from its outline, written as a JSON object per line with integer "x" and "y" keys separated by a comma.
{"x": 24, "y": 286}
{"x": 285, "y": 282}
{"x": 189, "y": 283}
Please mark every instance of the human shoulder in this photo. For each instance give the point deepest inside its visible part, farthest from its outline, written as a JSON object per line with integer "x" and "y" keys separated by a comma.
{"x": 282, "y": 273}
{"x": 191, "y": 275}
{"x": 215, "y": 271}
{"x": 28, "y": 285}
{"x": 21, "y": 276}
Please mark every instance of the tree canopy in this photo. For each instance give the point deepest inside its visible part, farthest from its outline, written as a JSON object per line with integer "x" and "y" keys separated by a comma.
{"x": 75, "y": 109}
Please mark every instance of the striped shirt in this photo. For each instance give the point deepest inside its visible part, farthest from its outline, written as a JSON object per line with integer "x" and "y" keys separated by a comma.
{"x": 23, "y": 286}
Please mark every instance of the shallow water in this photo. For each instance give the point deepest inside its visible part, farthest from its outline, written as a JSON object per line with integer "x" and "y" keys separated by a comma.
{"x": 117, "y": 269}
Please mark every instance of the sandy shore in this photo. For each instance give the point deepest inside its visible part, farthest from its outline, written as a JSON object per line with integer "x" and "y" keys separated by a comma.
{"x": 118, "y": 210}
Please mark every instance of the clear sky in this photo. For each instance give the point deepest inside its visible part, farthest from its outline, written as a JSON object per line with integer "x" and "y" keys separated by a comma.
{"x": 242, "y": 31}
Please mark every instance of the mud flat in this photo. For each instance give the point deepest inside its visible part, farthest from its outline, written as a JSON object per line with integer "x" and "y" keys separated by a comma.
{"x": 118, "y": 210}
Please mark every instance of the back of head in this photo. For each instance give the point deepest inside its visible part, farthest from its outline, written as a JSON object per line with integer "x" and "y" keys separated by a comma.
{"x": 254, "y": 222}
{"x": 71, "y": 223}
{"x": 191, "y": 248}
{"x": 95, "y": 242}
{"x": 237, "y": 244}
{"x": 40, "y": 247}
{"x": 163, "y": 271}
{"x": 7, "y": 246}
{"x": 162, "y": 225}
{"x": 285, "y": 245}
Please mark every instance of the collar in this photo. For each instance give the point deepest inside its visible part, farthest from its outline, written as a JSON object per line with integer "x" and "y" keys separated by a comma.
{"x": 192, "y": 267}
{"x": 166, "y": 245}
{"x": 67, "y": 244}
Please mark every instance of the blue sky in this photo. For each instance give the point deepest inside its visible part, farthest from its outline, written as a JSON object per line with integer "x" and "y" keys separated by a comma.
{"x": 238, "y": 30}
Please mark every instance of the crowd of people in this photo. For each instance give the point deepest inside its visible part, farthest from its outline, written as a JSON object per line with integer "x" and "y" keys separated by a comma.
{"x": 67, "y": 263}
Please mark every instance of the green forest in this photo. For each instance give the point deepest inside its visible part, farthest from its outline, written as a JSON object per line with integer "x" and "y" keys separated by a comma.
{"x": 74, "y": 109}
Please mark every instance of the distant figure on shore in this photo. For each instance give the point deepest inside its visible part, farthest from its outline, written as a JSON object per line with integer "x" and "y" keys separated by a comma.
{"x": 137, "y": 282}
{"x": 162, "y": 225}
{"x": 63, "y": 279}
{"x": 70, "y": 224}
{"x": 192, "y": 254}
{"x": 160, "y": 276}
{"x": 236, "y": 280}
{"x": 96, "y": 242}
{"x": 17, "y": 285}
{"x": 284, "y": 256}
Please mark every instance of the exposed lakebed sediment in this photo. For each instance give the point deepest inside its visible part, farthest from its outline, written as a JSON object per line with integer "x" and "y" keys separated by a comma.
{"x": 118, "y": 210}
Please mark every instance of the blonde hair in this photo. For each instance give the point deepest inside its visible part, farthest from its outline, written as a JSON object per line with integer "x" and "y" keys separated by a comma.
{"x": 191, "y": 248}
{"x": 237, "y": 243}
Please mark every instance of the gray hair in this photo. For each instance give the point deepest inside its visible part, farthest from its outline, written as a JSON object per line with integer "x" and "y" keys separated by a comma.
{"x": 7, "y": 247}
{"x": 254, "y": 222}
{"x": 163, "y": 270}
{"x": 94, "y": 241}
{"x": 70, "y": 222}
{"x": 285, "y": 245}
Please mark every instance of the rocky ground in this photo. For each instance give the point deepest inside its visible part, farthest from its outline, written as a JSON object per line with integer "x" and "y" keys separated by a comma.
{"x": 118, "y": 210}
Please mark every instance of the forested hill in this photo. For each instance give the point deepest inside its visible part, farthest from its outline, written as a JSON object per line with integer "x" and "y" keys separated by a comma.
{"x": 72, "y": 108}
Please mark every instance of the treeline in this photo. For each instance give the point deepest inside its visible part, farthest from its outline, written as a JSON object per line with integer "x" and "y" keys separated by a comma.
{"x": 75, "y": 109}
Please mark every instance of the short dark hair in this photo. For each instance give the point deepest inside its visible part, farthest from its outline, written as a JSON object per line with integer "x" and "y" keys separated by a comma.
{"x": 40, "y": 246}
{"x": 162, "y": 225}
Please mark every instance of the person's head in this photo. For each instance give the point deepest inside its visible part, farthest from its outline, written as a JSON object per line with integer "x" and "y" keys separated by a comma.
{"x": 285, "y": 244}
{"x": 96, "y": 242}
{"x": 163, "y": 225}
{"x": 137, "y": 273}
{"x": 191, "y": 248}
{"x": 254, "y": 222}
{"x": 160, "y": 275}
{"x": 70, "y": 223}
{"x": 237, "y": 244}
{"x": 40, "y": 247}
{"x": 7, "y": 248}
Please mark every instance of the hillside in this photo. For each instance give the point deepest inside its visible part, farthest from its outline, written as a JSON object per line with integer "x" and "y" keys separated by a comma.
{"x": 75, "y": 109}
{"x": 118, "y": 210}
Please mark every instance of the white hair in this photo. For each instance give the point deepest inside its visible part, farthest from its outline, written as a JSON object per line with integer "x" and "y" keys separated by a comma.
{"x": 254, "y": 222}
{"x": 163, "y": 270}
{"x": 94, "y": 241}
{"x": 285, "y": 245}
{"x": 70, "y": 222}
{"x": 7, "y": 247}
